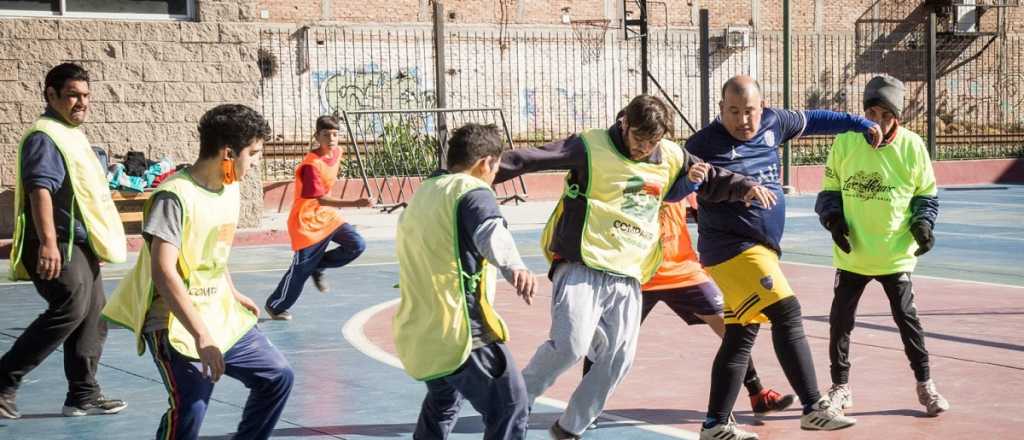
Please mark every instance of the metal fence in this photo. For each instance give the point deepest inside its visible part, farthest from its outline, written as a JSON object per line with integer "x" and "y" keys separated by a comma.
{"x": 553, "y": 83}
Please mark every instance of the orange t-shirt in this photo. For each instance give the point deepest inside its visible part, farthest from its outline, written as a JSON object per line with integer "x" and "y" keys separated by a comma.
{"x": 679, "y": 267}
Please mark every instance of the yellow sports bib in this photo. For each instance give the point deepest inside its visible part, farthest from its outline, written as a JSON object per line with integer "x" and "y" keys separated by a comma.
{"x": 431, "y": 327}
{"x": 208, "y": 228}
{"x": 620, "y": 231}
{"x": 91, "y": 201}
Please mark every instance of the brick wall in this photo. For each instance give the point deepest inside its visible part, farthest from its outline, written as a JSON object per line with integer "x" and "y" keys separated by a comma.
{"x": 151, "y": 81}
{"x": 808, "y": 15}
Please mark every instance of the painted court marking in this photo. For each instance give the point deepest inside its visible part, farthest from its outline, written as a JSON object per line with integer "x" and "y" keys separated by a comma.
{"x": 353, "y": 333}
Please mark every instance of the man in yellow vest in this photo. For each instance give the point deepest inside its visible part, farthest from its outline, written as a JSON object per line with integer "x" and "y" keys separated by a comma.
{"x": 447, "y": 333}
{"x": 180, "y": 301}
{"x": 603, "y": 243}
{"x": 314, "y": 222}
{"x": 65, "y": 225}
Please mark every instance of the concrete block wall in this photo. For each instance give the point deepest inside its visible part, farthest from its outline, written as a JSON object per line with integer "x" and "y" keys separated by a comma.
{"x": 151, "y": 81}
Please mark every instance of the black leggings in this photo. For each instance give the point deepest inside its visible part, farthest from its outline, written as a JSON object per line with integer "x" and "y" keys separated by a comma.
{"x": 790, "y": 348}
{"x": 750, "y": 380}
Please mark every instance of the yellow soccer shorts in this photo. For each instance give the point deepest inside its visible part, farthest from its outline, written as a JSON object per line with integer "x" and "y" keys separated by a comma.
{"x": 750, "y": 282}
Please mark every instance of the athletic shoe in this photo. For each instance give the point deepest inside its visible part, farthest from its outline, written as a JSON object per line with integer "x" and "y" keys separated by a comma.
{"x": 933, "y": 402}
{"x": 8, "y": 410}
{"x": 826, "y": 417}
{"x": 283, "y": 316}
{"x": 726, "y": 431}
{"x": 320, "y": 282}
{"x": 100, "y": 406}
{"x": 557, "y": 433}
{"x": 769, "y": 401}
{"x": 841, "y": 396}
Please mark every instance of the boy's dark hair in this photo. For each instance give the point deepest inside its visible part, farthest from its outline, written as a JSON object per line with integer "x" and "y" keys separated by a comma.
{"x": 58, "y": 76}
{"x": 648, "y": 117}
{"x": 230, "y": 125}
{"x": 471, "y": 142}
{"x": 327, "y": 122}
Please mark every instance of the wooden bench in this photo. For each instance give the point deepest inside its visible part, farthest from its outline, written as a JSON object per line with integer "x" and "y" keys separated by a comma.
{"x": 129, "y": 205}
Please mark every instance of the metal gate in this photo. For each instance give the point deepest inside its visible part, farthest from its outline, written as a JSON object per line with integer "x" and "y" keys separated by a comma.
{"x": 396, "y": 149}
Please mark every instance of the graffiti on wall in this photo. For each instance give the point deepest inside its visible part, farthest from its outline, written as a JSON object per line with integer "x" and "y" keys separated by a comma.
{"x": 370, "y": 87}
{"x": 584, "y": 108}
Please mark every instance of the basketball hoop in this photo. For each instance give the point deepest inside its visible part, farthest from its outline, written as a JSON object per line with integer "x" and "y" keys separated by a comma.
{"x": 590, "y": 34}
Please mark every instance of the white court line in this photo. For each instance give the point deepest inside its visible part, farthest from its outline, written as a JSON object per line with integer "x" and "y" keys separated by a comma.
{"x": 353, "y": 333}
{"x": 986, "y": 204}
{"x": 941, "y": 278}
{"x": 989, "y": 236}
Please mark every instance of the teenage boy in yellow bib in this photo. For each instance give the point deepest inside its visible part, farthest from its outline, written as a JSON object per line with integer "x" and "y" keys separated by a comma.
{"x": 447, "y": 332}
{"x": 880, "y": 204}
{"x": 179, "y": 299}
{"x": 603, "y": 243}
{"x": 65, "y": 225}
{"x": 314, "y": 222}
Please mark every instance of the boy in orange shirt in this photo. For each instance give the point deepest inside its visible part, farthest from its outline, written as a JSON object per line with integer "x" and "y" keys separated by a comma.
{"x": 683, "y": 285}
{"x": 314, "y": 222}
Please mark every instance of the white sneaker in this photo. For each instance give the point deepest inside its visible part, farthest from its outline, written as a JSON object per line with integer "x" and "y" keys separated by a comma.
{"x": 933, "y": 402}
{"x": 726, "y": 431}
{"x": 826, "y": 417}
{"x": 841, "y": 396}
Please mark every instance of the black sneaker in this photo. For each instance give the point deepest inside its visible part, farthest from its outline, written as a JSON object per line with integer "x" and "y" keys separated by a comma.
{"x": 8, "y": 410}
{"x": 100, "y": 406}
{"x": 283, "y": 316}
{"x": 558, "y": 433}
{"x": 320, "y": 282}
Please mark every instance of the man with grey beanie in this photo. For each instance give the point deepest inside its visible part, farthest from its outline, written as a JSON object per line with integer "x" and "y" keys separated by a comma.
{"x": 880, "y": 206}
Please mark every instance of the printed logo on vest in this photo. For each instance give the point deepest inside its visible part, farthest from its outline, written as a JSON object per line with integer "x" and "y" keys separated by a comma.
{"x": 767, "y": 283}
{"x": 867, "y": 186}
{"x": 641, "y": 199}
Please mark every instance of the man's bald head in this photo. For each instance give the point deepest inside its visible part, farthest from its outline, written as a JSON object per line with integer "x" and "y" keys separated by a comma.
{"x": 741, "y": 107}
{"x": 742, "y": 85}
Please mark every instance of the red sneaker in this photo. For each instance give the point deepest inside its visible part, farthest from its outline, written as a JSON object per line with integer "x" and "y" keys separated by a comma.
{"x": 769, "y": 401}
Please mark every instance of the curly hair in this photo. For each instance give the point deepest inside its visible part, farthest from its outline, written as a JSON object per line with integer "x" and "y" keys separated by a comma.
{"x": 234, "y": 126}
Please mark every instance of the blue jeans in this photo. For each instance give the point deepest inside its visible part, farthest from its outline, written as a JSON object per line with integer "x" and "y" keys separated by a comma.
{"x": 253, "y": 360}
{"x": 490, "y": 381}
{"x": 315, "y": 259}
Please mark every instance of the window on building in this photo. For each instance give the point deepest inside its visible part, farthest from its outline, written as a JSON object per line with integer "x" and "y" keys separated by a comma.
{"x": 152, "y": 9}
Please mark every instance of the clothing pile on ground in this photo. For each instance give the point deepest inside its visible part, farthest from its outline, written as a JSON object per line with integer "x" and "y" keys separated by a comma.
{"x": 136, "y": 173}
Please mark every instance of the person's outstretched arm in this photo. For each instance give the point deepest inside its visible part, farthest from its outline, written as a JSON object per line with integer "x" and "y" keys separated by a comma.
{"x": 566, "y": 154}
{"x": 828, "y": 122}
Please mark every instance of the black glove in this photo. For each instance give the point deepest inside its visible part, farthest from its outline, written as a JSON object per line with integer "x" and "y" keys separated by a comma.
{"x": 836, "y": 224}
{"x": 923, "y": 236}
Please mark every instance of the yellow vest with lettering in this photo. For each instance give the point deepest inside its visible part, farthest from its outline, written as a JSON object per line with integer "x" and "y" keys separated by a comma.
{"x": 432, "y": 328}
{"x": 208, "y": 229}
{"x": 91, "y": 200}
{"x": 620, "y": 234}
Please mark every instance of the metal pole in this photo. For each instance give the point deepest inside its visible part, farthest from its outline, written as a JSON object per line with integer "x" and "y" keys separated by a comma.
{"x": 644, "y": 68}
{"x": 932, "y": 150}
{"x": 441, "y": 89}
{"x": 705, "y": 69}
{"x": 787, "y": 90}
